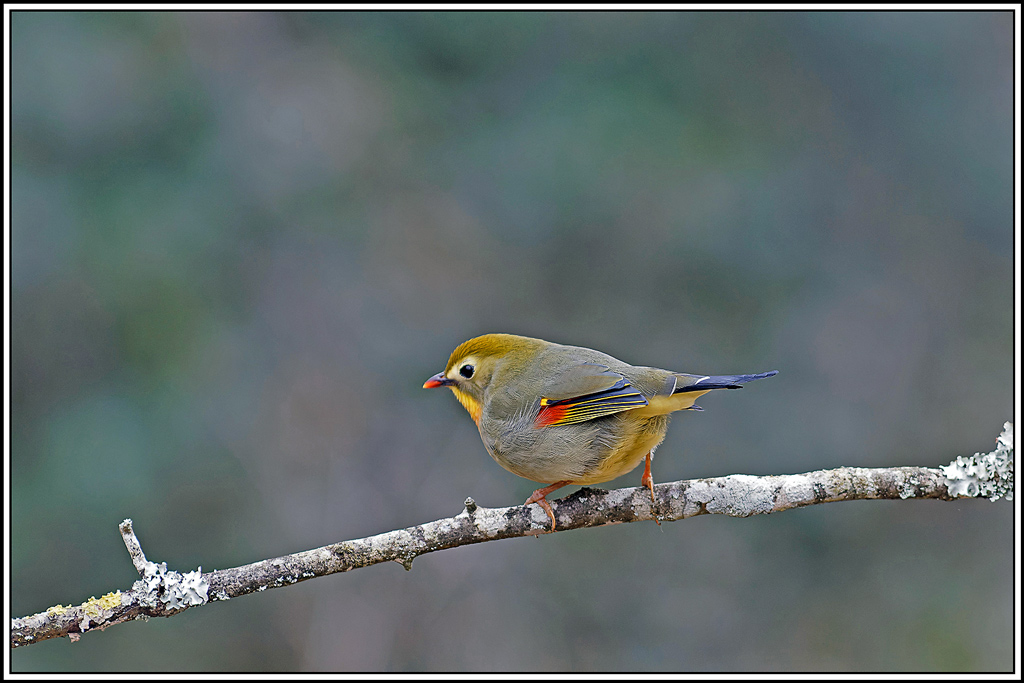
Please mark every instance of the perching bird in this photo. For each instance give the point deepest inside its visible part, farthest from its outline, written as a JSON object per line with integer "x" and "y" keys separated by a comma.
{"x": 563, "y": 415}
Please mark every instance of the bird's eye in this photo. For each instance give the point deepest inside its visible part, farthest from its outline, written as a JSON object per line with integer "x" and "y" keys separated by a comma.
{"x": 466, "y": 371}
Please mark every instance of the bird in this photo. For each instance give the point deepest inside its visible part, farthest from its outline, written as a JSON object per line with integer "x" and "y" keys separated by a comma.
{"x": 560, "y": 415}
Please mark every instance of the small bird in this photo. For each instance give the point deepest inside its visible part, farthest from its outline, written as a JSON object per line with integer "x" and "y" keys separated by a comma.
{"x": 561, "y": 415}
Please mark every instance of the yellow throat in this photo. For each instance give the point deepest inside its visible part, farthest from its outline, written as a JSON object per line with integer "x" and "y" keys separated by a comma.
{"x": 471, "y": 405}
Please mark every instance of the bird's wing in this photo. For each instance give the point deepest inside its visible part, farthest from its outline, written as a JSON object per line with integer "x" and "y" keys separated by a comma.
{"x": 586, "y": 391}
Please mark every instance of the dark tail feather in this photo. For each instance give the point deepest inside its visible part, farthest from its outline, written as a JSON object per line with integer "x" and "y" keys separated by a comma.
{"x": 724, "y": 382}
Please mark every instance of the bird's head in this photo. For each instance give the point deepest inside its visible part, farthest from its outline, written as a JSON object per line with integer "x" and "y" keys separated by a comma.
{"x": 476, "y": 363}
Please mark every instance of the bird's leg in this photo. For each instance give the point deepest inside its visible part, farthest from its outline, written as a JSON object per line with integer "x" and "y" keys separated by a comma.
{"x": 540, "y": 497}
{"x": 648, "y": 481}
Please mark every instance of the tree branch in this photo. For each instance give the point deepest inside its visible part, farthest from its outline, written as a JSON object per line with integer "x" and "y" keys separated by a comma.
{"x": 162, "y": 593}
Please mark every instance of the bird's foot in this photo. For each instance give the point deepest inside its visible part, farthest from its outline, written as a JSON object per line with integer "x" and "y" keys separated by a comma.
{"x": 540, "y": 497}
{"x": 648, "y": 481}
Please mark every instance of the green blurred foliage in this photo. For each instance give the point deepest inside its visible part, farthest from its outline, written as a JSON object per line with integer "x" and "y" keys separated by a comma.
{"x": 241, "y": 241}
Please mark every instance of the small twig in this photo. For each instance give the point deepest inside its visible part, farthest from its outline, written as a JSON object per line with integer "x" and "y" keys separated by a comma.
{"x": 162, "y": 593}
{"x": 134, "y": 548}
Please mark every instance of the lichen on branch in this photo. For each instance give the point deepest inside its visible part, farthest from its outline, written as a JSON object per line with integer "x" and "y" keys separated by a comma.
{"x": 163, "y": 593}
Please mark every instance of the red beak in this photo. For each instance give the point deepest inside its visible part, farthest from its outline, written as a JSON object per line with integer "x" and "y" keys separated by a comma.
{"x": 438, "y": 380}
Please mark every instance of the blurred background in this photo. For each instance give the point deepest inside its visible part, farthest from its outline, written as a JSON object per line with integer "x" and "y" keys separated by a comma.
{"x": 242, "y": 241}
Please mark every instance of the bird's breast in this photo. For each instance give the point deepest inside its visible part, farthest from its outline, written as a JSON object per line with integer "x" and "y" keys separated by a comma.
{"x": 584, "y": 453}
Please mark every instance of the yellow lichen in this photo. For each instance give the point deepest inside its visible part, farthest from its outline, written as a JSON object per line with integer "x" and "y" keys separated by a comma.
{"x": 57, "y": 609}
{"x": 91, "y": 608}
{"x": 110, "y": 600}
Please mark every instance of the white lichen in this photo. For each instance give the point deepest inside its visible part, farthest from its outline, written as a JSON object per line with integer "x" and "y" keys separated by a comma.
{"x": 795, "y": 489}
{"x": 908, "y": 485}
{"x": 988, "y": 475}
{"x": 744, "y": 495}
{"x": 173, "y": 589}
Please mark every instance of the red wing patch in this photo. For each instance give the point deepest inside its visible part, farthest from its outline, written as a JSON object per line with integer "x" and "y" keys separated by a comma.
{"x": 567, "y": 411}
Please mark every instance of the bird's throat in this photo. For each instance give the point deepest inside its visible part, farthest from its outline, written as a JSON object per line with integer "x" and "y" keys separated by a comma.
{"x": 471, "y": 405}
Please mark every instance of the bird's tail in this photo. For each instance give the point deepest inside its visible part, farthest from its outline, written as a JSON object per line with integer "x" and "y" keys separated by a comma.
{"x": 722, "y": 381}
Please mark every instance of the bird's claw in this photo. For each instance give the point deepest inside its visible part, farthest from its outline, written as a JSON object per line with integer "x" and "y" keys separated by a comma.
{"x": 547, "y": 508}
{"x": 540, "y": 497}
